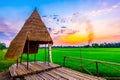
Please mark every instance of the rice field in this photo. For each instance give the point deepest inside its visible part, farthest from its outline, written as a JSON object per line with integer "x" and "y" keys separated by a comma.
{"x": 103, "y": 54}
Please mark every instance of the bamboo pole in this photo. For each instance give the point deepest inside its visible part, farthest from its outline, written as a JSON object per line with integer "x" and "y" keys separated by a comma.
{"x": 50, "y": 53}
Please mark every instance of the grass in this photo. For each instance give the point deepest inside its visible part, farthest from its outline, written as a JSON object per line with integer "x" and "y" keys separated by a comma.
{"x": 104, "y": 54}
{"x": 4, "y": 63}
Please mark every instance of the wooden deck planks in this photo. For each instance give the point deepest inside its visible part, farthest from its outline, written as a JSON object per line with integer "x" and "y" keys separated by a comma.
{"x": 43, "y": 71}
{"x": 57, "y": 74}
{"x": 61, "y": 74}
{"x": 57, "y": 77}
{"x": 70, "y": 74}
{"x": 86, "y": 76}
{"x": 33, "y": 68}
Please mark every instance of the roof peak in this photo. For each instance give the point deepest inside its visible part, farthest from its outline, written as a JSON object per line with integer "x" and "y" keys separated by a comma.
{"x": 35, "y": 8}
{"x": 35, "y": 14}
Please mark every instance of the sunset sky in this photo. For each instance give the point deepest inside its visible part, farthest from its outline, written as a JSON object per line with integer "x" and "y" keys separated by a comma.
{"x": 70, "y": 22}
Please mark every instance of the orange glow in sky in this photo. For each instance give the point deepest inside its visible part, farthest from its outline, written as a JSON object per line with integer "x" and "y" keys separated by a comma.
{"x": 69, "y": 22}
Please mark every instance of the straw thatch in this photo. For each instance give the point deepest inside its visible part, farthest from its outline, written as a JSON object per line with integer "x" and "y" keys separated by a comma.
{"x": 33, "y": 32}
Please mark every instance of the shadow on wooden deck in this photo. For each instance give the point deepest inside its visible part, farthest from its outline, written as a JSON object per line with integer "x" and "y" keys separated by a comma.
{"x": 45, "y": 71}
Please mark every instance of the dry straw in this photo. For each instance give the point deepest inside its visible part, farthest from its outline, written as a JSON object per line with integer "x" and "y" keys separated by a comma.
{"x": 33, "y": 31}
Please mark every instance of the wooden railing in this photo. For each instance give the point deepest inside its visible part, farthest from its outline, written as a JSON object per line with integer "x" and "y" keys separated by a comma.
{"x": 97, "y": 62}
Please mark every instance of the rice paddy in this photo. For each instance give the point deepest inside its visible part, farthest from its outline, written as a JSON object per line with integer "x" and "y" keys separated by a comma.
{"x": 103, "y": 54}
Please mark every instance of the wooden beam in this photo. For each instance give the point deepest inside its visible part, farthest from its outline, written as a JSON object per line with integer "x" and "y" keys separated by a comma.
{"x": 97, "y": 73}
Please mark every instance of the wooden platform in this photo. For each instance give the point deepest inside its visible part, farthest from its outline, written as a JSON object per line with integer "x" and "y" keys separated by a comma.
{"x": 43, "y": 71}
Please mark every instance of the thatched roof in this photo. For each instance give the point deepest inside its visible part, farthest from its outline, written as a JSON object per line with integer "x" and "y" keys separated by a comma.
{"x": 33, "y": 31}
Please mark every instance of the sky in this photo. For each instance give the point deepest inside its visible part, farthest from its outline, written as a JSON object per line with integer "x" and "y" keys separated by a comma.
{"x": 69, "y": 22}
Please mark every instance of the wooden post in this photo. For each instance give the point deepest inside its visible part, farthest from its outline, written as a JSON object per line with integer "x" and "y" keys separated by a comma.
{"x": 21, "y": 58}
{"x": 49, "y": 53}
{"x": 97, "y": 73}
{"x": 17, "y": 62}
{"x": 64, "y": 61}
{"x": 45, "y": 45}
{"x": 34, "y": 57}
{"x": 81, "y": 60}
{"x": 45, "y": 53}
{"x": 28, "y": 56}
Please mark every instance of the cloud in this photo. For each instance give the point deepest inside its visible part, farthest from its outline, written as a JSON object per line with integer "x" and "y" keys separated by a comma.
{"x": 17, "y": 16}
{"x": 6, "y": 37}
{"x": 67, "y": 29}
{"x": 104, "y": 3}
{"x": 104, "y": 11}
{"x": 5, "y": 27}
{"x": 11, "y": 20}
{"x": 108, "y": 38}
{"x": 7, "y": 42}
{"x": 7, "y": 33}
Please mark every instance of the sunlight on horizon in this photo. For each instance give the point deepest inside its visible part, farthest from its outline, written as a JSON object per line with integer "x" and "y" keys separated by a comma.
{"x": 67, "y": 21}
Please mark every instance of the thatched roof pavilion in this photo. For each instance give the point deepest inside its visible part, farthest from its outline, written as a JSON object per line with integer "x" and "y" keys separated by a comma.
{"x": 33, "y": 33}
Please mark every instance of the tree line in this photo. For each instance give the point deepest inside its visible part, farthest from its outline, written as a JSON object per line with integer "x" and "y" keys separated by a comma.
{"x": 106, "y": 45}
{"x": 94, "y": 45}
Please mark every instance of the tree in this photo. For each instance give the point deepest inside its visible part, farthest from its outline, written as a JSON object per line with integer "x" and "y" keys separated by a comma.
{"x": 2, "y": 46}
{"x": 95, "y": 45}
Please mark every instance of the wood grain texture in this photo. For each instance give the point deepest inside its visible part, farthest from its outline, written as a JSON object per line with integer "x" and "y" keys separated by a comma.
{"x": 43, "y": 71}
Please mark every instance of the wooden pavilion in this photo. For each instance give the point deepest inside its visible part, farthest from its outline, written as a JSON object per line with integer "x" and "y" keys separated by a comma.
{"x": 27, "y": 41}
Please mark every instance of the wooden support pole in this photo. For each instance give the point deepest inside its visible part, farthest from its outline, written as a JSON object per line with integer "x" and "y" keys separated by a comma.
{"x": 97, "y": 73}
{"x": 45, "y": 53}
{"x": 45, "y": 46}
{"x": 17, "y": 62}
{"x": 50, "y": 53}
{"x": 21, "y": 58}
{"x": 28, "y": 56}
{"x": 34, "y": 57}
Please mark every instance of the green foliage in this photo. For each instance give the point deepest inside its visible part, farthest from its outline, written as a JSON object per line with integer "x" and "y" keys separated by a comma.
{"x": 4, "y": 63}
{"x": 106, "y": 45}
{"x": 95, "y": 45}
{"x": 2, "y": 46}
